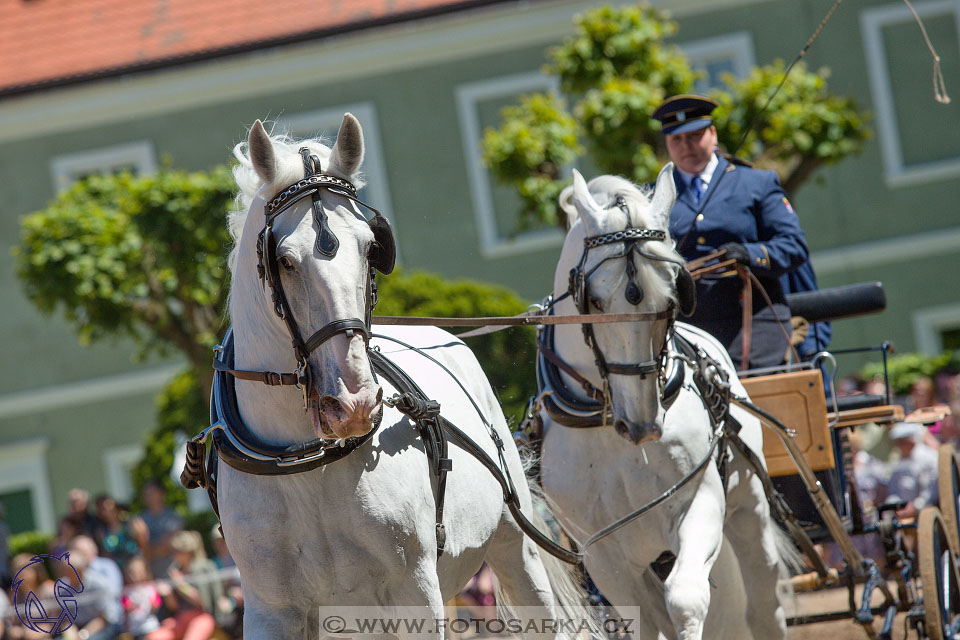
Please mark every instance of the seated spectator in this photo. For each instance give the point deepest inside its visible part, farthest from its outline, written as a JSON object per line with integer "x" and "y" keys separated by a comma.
{"x": 120, "y": 535}
{"x": 190, "y": 603}
{"x": 99, "y": 613}
{"x": 162, "y": 523}
{"x": 141, "y": 602}
{"x": 913, "y": 478}
{"x": 104, "y": 567}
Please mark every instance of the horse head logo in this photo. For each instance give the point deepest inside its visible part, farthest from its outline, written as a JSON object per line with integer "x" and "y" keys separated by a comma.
{"x": 32, "y": 612}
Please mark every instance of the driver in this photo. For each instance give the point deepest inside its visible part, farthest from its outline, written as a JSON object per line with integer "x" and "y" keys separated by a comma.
{"x": 724, "y": 204}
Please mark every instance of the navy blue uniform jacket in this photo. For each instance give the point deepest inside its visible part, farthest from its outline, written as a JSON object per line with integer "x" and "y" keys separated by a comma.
{"x": 747, "y": 206}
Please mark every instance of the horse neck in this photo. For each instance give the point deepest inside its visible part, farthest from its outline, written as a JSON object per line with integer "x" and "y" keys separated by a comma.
{"x": 262, "y": 343}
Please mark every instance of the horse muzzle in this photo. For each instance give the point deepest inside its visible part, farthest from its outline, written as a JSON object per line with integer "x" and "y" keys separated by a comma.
{"x": 346, "y": 416}
{"x": 639, "y": 432}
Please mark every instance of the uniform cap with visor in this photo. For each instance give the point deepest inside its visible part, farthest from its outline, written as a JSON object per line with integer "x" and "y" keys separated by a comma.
{"x": 685, "y": 113}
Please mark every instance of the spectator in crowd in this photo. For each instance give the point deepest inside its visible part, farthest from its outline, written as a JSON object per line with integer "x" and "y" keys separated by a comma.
{"x": 78, "y": 501}
{"x": 99, "y": 613}
{"x": 34, "y": 579}
{"x": 103, "y": 567}
{"x": 141, "y": 602}
{"x": 121, "y": 535}
{"x": 913, "y": 478}
{"x": 191, "y": 602}
{"x": 162, "y": 523}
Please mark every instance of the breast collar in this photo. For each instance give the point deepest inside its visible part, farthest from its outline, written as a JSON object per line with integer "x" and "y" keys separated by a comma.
{"x": 242, "y": 449}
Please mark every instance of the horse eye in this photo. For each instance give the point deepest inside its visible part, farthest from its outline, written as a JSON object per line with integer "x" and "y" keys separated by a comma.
{"x": 285, "y": 262}
{"x": 597, "y": 303}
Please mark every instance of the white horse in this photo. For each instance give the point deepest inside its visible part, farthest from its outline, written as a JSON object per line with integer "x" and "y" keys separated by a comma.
{"x": 360, "y": 531}
{"x": 595, "y": 476}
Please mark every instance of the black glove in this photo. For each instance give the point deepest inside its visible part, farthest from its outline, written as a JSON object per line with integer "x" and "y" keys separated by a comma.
{"x": 736, "y": 251}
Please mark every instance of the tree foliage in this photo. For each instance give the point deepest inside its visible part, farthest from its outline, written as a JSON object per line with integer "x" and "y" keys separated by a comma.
{"x": 140, "y": 256}
{"x": 507, "y": 357}
{"x": 615, "y": 70}
{"x": 906, "y": 368}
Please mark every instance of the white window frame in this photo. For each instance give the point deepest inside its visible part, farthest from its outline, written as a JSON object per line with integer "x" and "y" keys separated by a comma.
{"x": 896, "y": 172}
{"x": 65, "y": 168}
{"x": 929, "y": 323}
{"x": 492, "y": 244}
{"x": 737, "y": 46}
{"x": 23, "y": 465}
{"x": 326, "y": 122}
{"x": 117, "y": 463}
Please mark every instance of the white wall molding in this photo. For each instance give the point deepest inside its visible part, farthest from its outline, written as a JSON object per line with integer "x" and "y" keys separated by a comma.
{"x": 492, "y": 243}
{"x": 872, "y": 21}
{"x": 66, "y": 168}
{"x": 882, "y": 252}
{"x": 117, "y": 462}
{"x": 23, "y": 465}
{"x": 929, "y": 323}
{"x": 72, "y": 394}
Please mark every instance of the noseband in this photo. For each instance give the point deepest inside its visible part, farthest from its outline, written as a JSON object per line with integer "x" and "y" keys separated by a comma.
{"x": 579, "y": 290}
{"x": 381, "y": 258}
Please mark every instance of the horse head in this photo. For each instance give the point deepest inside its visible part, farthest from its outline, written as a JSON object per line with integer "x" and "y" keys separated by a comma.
{"x": 619, "y": 258}
{"x": 304, "y": 236}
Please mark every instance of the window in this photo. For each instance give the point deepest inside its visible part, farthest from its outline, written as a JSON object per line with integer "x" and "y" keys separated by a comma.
{"x": 118, "y": 462}
{"x": 494, "y": 205}
{"x": 900, "y": 72}
{"x": 732, "y": 53}
{"x": 25, "y": 485}
{"x": 325, "y": 123}
{"x": 137, "y": 157}
{"x": 937, "y": 328}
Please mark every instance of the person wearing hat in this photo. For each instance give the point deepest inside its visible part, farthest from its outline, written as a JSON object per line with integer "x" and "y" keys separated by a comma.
{"x": 913, "y": 477}
{"x": 722, "y": 203}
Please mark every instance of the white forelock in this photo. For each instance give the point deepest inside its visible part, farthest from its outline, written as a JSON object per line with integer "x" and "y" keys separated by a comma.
{"x": 290, "y": 169}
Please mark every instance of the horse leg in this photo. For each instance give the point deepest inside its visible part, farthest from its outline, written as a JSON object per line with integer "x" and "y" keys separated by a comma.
{"x": 698, "y": 540}
{"x": 634, "y": 590}
{"x": 749, "y": 523}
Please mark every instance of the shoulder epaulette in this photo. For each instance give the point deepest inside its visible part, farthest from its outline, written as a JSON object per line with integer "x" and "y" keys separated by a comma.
{"x": 738, "y": 161}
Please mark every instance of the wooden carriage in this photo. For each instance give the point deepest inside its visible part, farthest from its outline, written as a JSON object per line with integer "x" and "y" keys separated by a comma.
{"x": 811, "y": 465}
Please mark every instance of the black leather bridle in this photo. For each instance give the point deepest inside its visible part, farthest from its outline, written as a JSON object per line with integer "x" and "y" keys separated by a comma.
{"x": 382, "y": 257}
{"x": 579, "y": 290}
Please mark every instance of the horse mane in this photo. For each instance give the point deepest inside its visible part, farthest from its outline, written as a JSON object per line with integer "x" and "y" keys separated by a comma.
{"x": 250, "y": 186}
{"x": 605, "y": 189}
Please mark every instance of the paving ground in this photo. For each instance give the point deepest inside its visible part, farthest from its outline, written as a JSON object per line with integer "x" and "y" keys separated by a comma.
{"x": 836, "y": 600}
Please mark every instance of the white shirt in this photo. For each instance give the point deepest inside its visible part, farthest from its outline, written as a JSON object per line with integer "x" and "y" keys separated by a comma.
{"x": 705, "y": 175}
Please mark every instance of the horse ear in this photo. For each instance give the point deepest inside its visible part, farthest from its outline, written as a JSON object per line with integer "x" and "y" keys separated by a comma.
{"x": 347, "y": 153}
{"x": 581, "y": 197}
{"x": 261, "y": 153}
{"x": 566, "y": 205}
{"x": 664, "y": 195}
{"x": 65, "y": 557}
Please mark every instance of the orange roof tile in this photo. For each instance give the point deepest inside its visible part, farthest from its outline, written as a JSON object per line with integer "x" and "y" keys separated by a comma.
{"x": 51, "y": 42}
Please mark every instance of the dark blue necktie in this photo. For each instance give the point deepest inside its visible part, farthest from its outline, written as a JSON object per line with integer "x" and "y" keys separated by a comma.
{"x": 696, "y": 189}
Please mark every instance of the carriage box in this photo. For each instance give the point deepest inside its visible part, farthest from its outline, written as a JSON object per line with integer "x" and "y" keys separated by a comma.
{"x": 797, "y": 399}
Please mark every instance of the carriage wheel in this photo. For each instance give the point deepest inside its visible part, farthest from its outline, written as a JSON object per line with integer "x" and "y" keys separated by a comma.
{"x": 939, "y": 577}
{"x": 948, "y": 480}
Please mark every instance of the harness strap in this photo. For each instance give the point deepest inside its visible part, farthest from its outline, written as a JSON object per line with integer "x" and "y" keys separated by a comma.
{"x": 271, "y": 378}
{"x": 551, "y": 357}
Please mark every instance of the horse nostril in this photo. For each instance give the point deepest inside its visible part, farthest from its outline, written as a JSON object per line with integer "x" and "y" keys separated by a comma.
{"x": 621, "y": 427}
